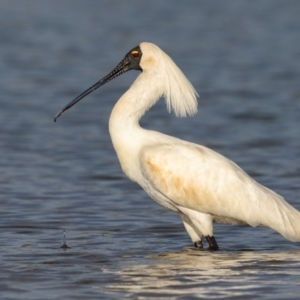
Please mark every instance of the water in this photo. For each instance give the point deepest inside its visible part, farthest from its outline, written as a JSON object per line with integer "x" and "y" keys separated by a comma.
{"x": 243, "y": 58}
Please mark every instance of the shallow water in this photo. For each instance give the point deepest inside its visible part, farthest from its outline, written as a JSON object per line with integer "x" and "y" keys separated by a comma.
{"x": 242, "y": 57}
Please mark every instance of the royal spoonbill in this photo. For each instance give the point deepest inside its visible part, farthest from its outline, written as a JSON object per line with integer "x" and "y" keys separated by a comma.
{"x": 199, "y": 184}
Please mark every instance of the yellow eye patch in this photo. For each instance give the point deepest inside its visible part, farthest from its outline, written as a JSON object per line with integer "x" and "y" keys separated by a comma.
{"x": 135, "y": 53}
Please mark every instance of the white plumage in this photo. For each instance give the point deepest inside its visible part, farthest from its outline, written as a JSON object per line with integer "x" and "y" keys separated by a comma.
{"x": 199, "y": 184}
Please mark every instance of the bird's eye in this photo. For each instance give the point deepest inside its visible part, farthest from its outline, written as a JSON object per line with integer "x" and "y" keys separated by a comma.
{"x": 135, "y": 54}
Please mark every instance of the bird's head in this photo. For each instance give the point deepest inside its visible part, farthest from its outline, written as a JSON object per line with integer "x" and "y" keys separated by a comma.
{"x": 179, "y": 93}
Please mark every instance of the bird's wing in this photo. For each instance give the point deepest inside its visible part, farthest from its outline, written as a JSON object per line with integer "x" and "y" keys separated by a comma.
{"x": 200, "y": 179}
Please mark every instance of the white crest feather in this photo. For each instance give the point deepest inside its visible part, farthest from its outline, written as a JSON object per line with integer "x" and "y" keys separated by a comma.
{"x": 179, "y": 94}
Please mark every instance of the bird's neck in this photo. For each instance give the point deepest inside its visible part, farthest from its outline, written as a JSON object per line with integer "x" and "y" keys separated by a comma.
{"x": 126, "y": 134}
{"x": 135, "y": 102}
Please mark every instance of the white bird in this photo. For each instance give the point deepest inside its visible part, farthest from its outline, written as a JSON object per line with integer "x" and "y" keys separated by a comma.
{"x": 199, "y": 184}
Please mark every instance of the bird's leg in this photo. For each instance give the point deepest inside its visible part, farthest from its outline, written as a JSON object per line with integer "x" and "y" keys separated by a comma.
{"x": 212, "y": 243}
{"x": 195, "y": 235}
{"x": 198, "y": 244}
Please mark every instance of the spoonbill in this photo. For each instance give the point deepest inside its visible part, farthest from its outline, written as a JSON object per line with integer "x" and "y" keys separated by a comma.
{"x": 199, "y": 184}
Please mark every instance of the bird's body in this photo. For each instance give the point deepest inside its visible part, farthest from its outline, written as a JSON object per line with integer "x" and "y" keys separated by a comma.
{"x": 192, "y": 180}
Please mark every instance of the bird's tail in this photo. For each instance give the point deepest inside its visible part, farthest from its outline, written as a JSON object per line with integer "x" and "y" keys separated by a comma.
{"x": 282, "y": 217}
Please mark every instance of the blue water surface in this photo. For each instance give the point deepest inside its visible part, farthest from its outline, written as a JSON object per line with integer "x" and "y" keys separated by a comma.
{"x": 243, "y": 58}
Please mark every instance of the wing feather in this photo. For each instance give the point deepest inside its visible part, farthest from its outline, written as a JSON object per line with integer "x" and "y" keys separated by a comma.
{"x": 200, "y": 179}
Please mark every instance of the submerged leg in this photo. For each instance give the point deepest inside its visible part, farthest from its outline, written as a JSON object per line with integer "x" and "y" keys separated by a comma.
{"x": 195, "y": 235}
{"x": 198, "y": 244}
{"x": 198, "y": 225}
{"x": 212, "y": 243}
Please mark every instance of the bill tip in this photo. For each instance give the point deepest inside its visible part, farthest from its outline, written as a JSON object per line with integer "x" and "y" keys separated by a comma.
{"x": 57, "y": 116}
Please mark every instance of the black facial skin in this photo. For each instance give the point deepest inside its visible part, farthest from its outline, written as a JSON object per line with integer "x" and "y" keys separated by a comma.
{"x": 130, "y": 62}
